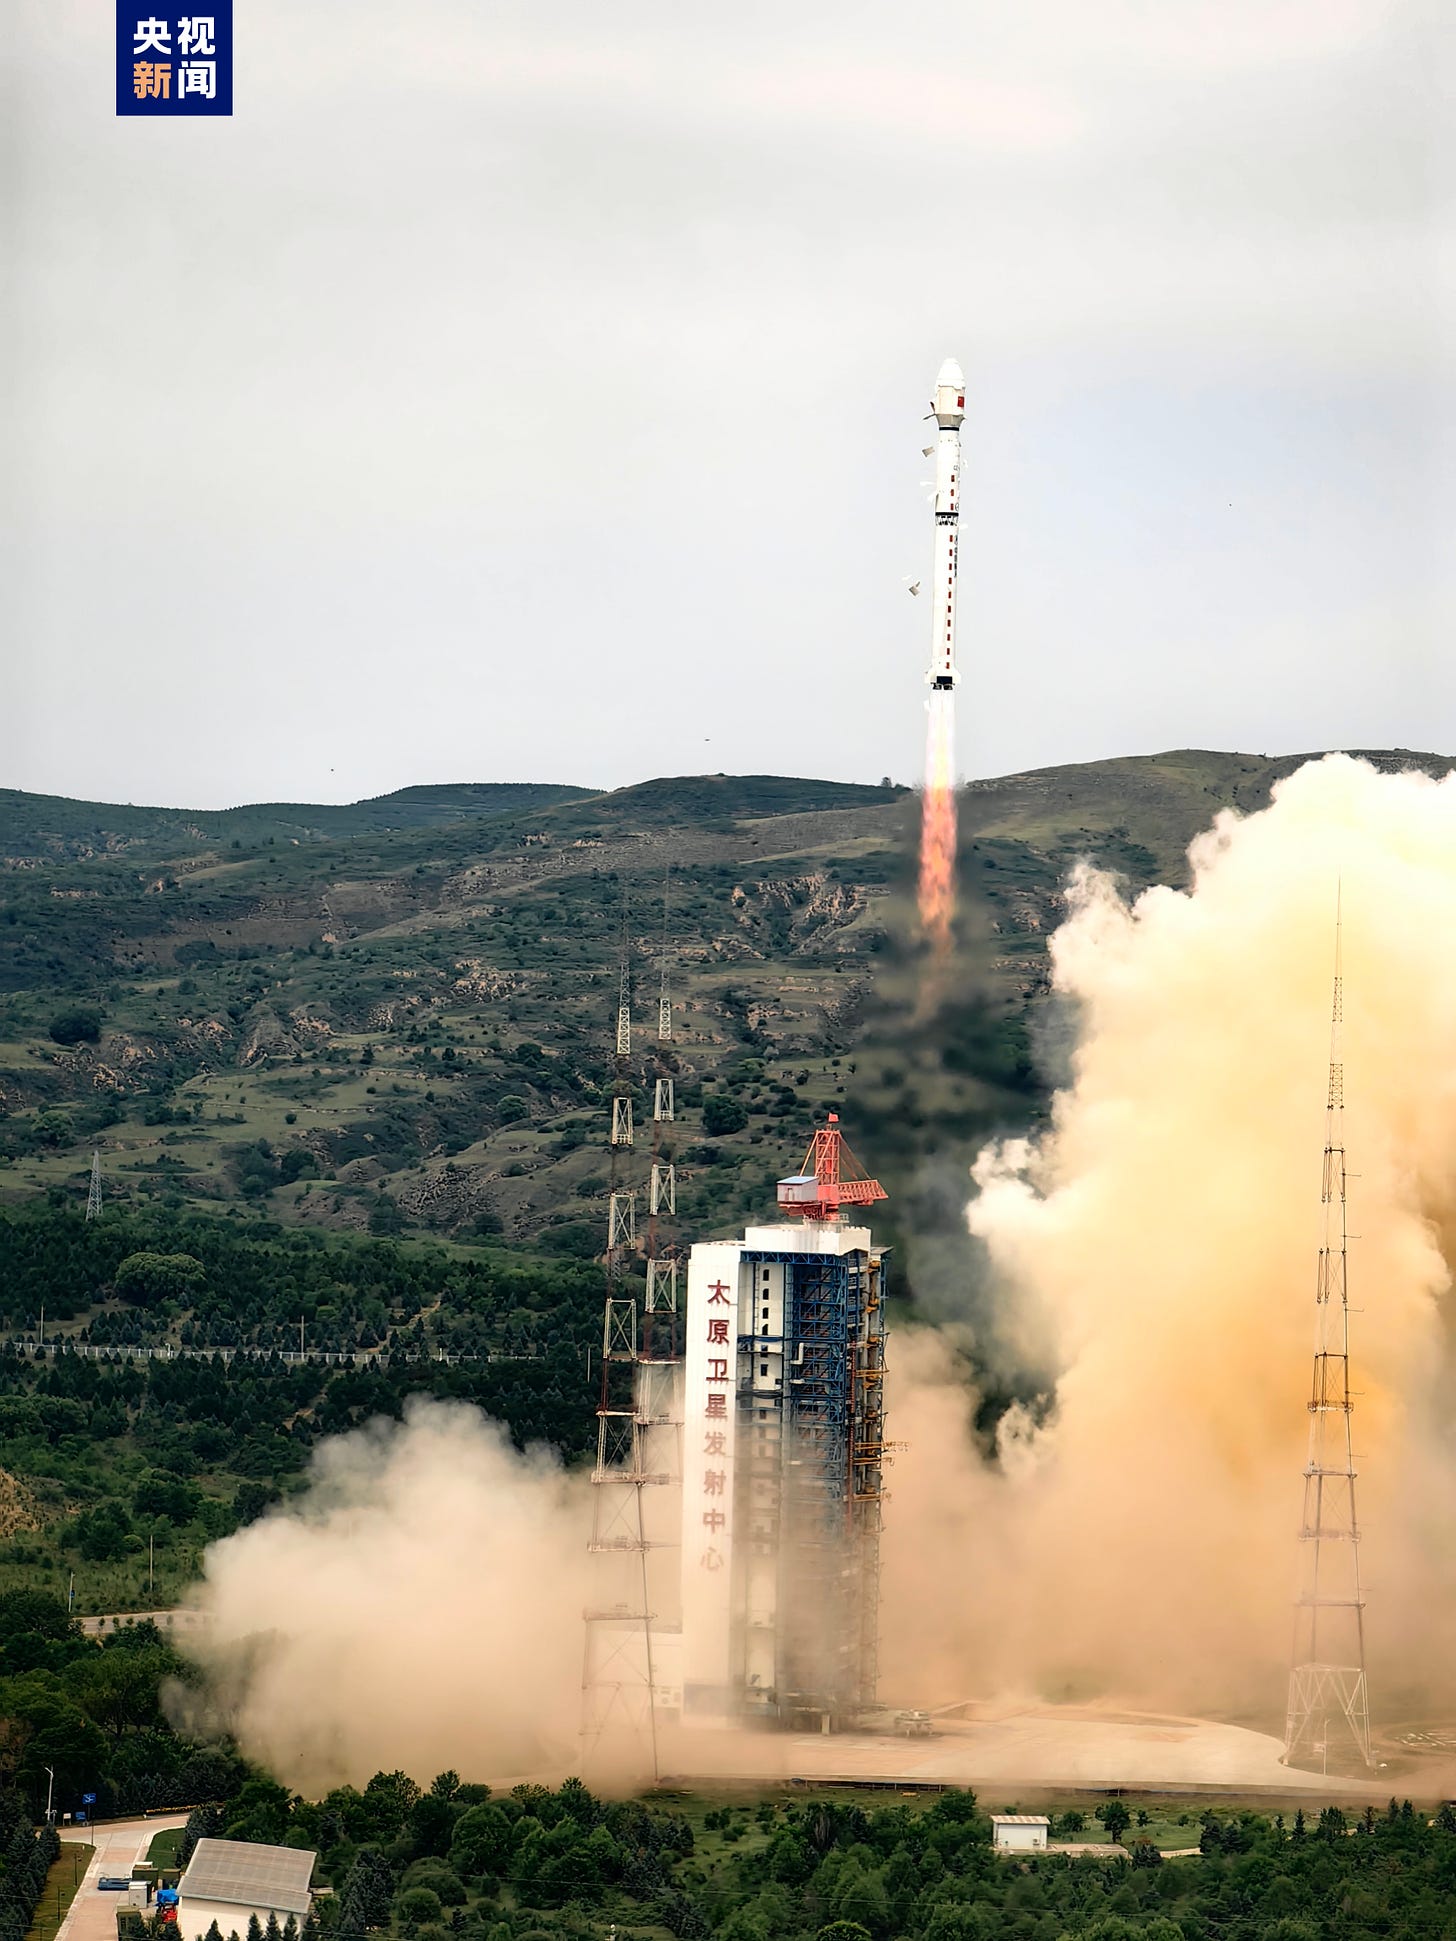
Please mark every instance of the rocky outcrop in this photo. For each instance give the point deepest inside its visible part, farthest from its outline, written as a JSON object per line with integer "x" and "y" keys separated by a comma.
{"x": 446, "y": 1198}
{"x": 484, "y": 982}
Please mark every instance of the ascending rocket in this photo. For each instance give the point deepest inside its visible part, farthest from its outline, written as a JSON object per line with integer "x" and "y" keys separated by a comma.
{"x": 950, "y": 410}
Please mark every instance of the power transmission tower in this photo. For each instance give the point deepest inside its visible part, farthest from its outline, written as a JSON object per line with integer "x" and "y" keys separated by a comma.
{"x": 93, "y": 1193}
{"x": 1328, "y": 1701}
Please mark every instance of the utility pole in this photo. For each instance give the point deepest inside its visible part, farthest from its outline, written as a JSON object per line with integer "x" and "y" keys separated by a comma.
{"x": 151, "y": 1563}
{"x": 50, "y": 1791}
{"x": 1327, "y": 1690}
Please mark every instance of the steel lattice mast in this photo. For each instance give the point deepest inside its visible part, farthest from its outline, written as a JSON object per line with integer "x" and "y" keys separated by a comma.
{"x": 635, "y": 1437}
{"x": 93, "y": 1192}
{"x": 662, "y": 1260}
{"x": 1328, "y": 1700}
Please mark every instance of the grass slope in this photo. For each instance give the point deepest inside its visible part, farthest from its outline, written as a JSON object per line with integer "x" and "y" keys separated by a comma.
{"x": 404, "y": 1021}
{"x": 363, "y": 1080}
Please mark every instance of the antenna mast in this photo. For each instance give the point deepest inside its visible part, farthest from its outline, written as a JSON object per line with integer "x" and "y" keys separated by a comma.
{"x": 664, "y": 997}
{"x": 662, "y": 1180}
{"x": 635, "y": 1431}
{"x": 1327, "y": 1690}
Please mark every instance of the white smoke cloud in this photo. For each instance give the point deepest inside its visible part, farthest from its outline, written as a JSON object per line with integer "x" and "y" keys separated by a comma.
{"x": 420, "y": 1608}
{"x": 1159, "y": 1245}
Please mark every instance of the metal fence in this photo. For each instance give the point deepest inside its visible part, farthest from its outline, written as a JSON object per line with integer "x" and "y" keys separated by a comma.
{"x": 38, "y": 1350}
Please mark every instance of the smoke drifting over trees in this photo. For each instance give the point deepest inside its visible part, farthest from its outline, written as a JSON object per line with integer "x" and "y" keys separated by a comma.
{"x": 421, "y": 1609}
{"x": 1154, "y": 1262}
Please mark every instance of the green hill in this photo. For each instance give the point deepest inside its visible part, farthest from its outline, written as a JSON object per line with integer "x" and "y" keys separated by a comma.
{"x": 399, "y": 1017}
{"x": 54, "y": 825}
{"x": 355, "y": 1082}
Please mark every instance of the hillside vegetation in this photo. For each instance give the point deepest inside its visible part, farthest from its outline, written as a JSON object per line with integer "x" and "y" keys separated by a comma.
{"x": 410, "y": 1860}
{"x": 346, "y": 1070}
{"x": 398, "y": 1017}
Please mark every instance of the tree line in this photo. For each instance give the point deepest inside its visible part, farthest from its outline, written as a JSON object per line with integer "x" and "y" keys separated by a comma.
{"x": 457, "y": 1861}
{"x": 453, "y": 1859}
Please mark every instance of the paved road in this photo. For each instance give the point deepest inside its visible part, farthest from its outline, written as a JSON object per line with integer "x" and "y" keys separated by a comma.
{"x": 117, "y": 1844}
{"x": 181, "y": 1622}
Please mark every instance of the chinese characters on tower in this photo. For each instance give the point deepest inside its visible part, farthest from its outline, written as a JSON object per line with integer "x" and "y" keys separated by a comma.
{"x": 715, "y": 1443}
{"x": 174, "y": 63}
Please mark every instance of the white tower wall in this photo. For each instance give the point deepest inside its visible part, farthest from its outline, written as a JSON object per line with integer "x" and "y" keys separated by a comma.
{"x": 734, "y": 1410}
{"x": 710, "y": 1426}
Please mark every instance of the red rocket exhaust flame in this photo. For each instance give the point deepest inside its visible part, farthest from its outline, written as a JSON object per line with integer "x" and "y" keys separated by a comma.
{"x": 938, "y": 828}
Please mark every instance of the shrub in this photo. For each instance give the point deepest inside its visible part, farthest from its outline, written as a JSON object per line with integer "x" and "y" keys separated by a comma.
{"x": 723, "y": 1114}
{"x": 101, "y": 1534}
{"x": 441, "y": 1880}
{"x": 416, "y": 1905}
{"x": 482, "y": 1842}
{"x": 386, "y": 1216}
{"x": 148, "y": 1277}
{"x": 78, "y": 1027}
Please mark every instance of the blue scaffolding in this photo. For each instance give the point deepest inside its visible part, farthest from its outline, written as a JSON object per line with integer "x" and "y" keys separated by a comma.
{"x": 829, "y": 1452}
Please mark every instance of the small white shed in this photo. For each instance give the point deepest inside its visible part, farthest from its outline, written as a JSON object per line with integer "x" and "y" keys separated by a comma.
{"x": 228, "y": 1880}
{"x": 1019, "y": 1832}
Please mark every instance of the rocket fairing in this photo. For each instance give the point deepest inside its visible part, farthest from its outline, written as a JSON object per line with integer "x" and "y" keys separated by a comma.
{"x": 949, "y": 411}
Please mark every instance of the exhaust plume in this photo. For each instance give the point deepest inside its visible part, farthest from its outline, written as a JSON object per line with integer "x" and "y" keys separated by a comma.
{"x": 1157, "y": 1248}
{"x": 938, "y": 827}
{"x": 1152, "y": 1256}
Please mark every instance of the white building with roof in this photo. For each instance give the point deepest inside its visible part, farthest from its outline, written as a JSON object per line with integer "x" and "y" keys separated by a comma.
{"x": 1019, "y": 1832}
{"x": 228, "y": 1881}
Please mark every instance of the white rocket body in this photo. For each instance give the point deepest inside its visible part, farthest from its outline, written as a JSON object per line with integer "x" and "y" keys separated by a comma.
{"x": 950, "y": 411}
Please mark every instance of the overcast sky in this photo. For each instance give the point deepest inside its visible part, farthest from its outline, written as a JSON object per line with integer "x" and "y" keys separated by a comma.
{"x": 524, "y": 392}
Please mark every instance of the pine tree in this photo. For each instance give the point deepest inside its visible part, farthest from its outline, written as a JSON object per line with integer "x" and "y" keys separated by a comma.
{"x": 367, "y": 1893}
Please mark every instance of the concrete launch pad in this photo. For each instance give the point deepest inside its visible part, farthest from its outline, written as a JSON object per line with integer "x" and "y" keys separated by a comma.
{"x": 1012, "y": 1748}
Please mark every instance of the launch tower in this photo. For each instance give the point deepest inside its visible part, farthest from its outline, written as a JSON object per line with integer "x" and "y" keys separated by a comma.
{"x": 783, "y": 1443}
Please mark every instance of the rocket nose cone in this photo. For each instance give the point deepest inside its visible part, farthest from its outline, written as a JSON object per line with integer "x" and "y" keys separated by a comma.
{"x": 950, "y": 374}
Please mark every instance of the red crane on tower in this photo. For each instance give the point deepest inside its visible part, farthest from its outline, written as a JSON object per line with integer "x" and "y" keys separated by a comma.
{"x": 829, "y": 1179}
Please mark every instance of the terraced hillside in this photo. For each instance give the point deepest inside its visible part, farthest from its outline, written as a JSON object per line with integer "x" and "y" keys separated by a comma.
{"x": 346, "y": 1073}
{"x": 397, "y": 1016}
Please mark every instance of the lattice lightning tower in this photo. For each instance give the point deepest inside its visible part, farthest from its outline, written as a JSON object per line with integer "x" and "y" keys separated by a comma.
{"x": 664, "y": 995}
{"x": 1328, "y": 1700}
{"x": 617, "y": 1678}
{"x": 662, "y": 1179}
{"x": 93, "y": 1192}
